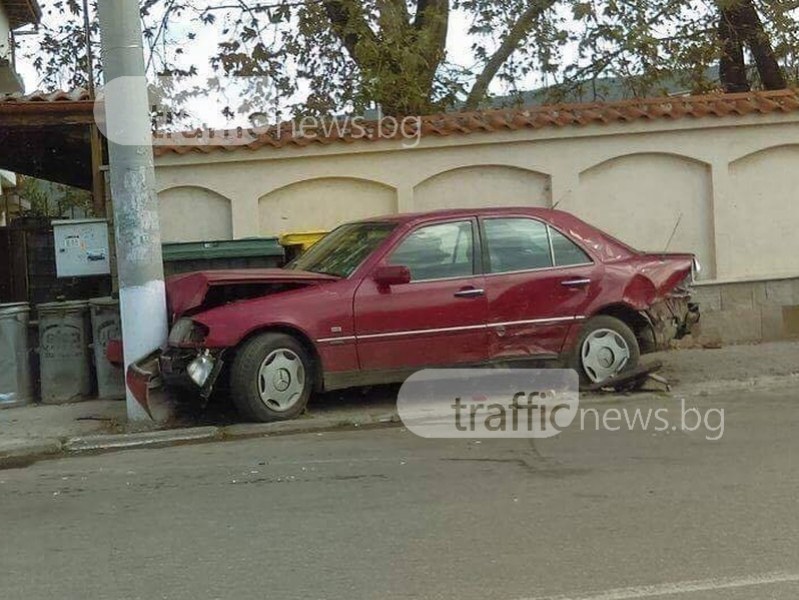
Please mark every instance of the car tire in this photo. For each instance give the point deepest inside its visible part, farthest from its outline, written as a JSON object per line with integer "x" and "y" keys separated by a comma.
{"x": 606, "y": 347}
{"x": 271, "y": 378}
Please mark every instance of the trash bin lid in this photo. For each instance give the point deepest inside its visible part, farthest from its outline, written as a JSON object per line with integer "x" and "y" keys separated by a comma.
{"x": 59, "y": 307}
{"x": 105, "y": 302}
{"x": 244, "y": 248}
{"x": 305, "y": 239}
{"x": 14, "y": 308}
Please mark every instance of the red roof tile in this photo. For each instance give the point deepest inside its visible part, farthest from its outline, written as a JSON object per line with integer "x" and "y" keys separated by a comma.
{"x": 465, "y": 123}
{"x": 532, "y": 117}
{"x": 76, "y": 95}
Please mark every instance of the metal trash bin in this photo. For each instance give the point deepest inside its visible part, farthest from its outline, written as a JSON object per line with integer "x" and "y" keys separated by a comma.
{"x": 65, "y": 369}
{"x": 298, "y": 242}
{"x": 248, "y": 253}
{"x": 105, "y": 327}
{"x": 15, "y": 376}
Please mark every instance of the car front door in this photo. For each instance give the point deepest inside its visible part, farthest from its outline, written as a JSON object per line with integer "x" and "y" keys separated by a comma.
{"x": 439, "y": 317}
{"x": 537, "y": 281}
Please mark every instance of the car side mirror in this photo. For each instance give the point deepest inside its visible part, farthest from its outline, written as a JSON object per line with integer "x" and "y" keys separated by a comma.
{"x": 389, "y": 275}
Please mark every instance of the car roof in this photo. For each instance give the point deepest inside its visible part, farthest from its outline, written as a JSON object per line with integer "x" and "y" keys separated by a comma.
{"x": 603, "y": 244}
{"x": 461, "y": 212}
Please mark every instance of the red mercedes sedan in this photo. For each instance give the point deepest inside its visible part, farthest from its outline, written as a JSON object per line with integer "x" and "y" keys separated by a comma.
{"x": 378, "y": 299}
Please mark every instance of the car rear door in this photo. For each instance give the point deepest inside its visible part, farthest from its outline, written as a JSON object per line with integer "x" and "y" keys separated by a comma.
{"x": 537, "y": 282}
{"x": 437, "y": 319}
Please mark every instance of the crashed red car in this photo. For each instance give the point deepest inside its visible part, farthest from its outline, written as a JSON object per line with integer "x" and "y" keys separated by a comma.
{"x": 378, "y": 299}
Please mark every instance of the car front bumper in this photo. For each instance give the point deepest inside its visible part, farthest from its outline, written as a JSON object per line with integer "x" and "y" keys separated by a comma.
{"x": 187, "y": 369}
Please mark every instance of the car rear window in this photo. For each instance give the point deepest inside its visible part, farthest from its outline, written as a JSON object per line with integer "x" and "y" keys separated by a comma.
{"x": 566, "y": 251}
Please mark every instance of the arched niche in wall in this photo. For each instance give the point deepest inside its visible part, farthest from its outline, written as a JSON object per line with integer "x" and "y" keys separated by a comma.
{"x": 322, "y": 204}
{"x": 653, "y": 202}
{"x": 479, "y": 186}
{"x": 762, "y": 214}
{"x": 192, "y": 214}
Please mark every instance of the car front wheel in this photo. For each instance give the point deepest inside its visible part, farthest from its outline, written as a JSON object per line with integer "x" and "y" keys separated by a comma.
{"x": 606, "y": 347}
{"x": 271, "y": 378}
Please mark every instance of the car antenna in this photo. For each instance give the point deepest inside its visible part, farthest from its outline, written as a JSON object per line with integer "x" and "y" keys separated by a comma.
{"x": 673, "y": 232}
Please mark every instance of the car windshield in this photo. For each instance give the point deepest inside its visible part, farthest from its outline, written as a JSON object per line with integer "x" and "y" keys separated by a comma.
{"x": 342, "y": 250}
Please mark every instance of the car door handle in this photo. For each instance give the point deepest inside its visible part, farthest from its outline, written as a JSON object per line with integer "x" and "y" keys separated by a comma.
{"x": 576, "y": 282}
{"x": 470, "y": 293}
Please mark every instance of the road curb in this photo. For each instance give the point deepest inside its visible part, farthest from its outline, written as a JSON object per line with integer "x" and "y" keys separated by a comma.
{"x": 147, "y": 439}
{"x": 252, "y": 430}
{"x": 23, "y": 452}
{"x": 17, "y": 452}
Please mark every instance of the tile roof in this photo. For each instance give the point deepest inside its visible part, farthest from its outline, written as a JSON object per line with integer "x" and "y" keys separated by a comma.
{"x": 446, "y": 124}
{"x": 497, "y": 120}
{"x": 76, "y": 95}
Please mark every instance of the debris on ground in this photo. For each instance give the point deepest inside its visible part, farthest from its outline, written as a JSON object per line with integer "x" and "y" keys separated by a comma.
{"x": 632, "y": 380}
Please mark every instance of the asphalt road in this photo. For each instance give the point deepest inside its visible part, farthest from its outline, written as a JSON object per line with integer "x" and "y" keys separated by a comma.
{"x": 383, "y": 514}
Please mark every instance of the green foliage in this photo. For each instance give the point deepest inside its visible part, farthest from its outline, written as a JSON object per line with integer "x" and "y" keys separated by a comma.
{"x": 47, "y": 199}
{"x": 330, "y": 56}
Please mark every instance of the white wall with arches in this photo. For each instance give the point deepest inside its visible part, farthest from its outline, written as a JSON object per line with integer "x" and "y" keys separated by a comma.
{"x": 482, "y": 186}
{"x": 724, "y": 188}
{"x": 668, "y": 208}
{"x": 192, "y": 214}
{"x": 317, "y": 204}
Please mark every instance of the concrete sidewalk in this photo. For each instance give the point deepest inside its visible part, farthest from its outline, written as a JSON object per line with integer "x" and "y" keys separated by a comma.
{"x": 34, "y": 431}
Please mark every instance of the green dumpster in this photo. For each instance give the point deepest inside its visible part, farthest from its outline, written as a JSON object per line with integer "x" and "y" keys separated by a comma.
{"x": 249, "y": 253}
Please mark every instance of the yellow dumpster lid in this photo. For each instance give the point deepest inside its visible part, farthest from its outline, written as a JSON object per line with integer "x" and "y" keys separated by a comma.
{"x": 301, "y": 238}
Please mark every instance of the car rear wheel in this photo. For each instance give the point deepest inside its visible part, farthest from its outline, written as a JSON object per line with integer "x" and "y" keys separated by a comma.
{"x": 606, "y": 347}
{"x": 271, "y": 378}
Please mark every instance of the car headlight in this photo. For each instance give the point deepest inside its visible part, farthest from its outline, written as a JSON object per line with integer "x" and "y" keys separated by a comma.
{"x": 187, "y": 332}
{"x": 200, "y": 369}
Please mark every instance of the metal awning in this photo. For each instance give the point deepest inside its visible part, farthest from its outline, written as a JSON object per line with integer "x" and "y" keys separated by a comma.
{"x": 22, "y": 12}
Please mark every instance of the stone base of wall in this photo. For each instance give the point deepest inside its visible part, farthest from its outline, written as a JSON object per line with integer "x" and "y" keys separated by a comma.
{"x": 745, "y": 312}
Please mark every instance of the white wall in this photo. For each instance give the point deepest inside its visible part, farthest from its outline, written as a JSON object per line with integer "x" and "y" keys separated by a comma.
{"x": 766, "y": 204}
{"x": 669, "y": 207}
{"x": 317, "y": 204}
{"x": 193, "y": 214}
{"x": 730, "y": 181}
{"x": 481, "y": 186}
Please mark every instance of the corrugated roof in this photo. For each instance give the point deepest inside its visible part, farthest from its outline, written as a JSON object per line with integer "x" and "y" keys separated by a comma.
{"x": 499, "y": 120}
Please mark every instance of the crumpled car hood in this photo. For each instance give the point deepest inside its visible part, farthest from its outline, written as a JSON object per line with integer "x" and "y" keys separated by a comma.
{"x": 188, "y": 291}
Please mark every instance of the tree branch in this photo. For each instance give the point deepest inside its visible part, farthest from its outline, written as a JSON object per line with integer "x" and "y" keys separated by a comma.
{"x": 511, "y": 42}
{"x": 746, "y": 27}
{"x": 427, "y": 10}
{"x": 348, "y": 22}
{"x": 391, "y": 10}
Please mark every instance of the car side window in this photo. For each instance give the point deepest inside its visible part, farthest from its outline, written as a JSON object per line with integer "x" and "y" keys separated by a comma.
{"x": 517, "y": 244}
{"x": 566, "y": 251}
{"x": 437, "y": 251}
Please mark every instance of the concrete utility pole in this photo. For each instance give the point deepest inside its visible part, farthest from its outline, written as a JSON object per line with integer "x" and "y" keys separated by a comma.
{"x": 138, "y": 237}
